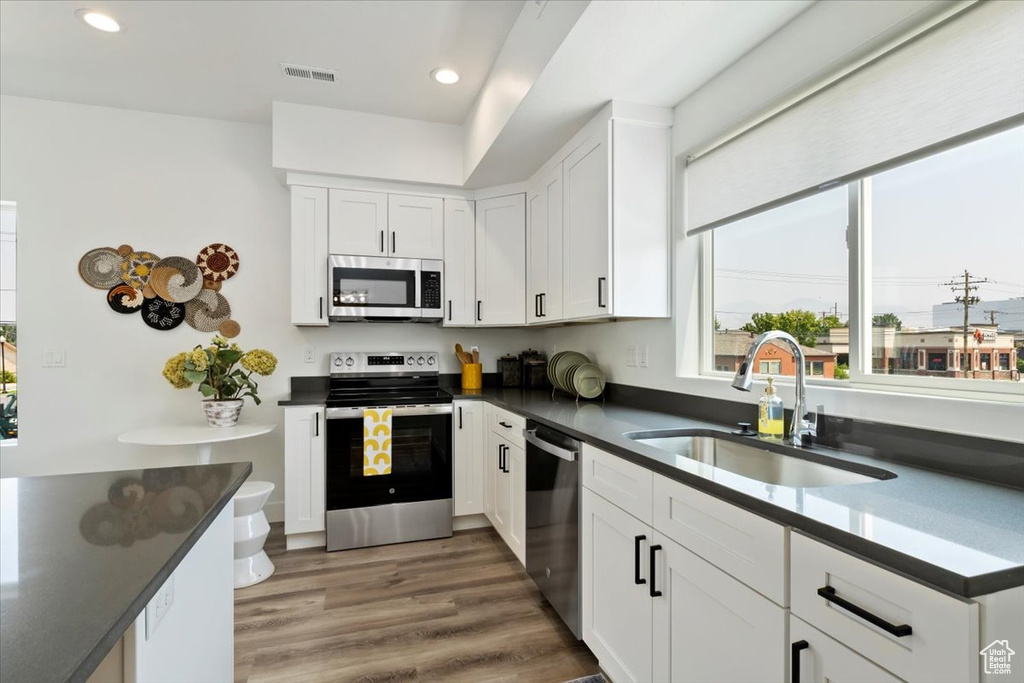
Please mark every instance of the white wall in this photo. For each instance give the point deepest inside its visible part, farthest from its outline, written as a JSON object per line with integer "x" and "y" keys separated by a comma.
{"x": 87, "y": 176}
{"x": 350, "y": 143}
{"x": 818, "y": 41}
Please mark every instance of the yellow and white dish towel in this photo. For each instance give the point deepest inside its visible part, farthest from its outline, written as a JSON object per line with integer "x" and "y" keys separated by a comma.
{"x": 376, "y": 441}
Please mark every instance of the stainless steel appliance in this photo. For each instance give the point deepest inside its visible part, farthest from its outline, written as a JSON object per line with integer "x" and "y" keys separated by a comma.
{"x": 552, "y": 520}
{"x": 379, "y": 288}
{"x": 414, "y": 502}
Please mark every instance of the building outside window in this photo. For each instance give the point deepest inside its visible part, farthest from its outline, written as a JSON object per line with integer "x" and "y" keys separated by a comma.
{"x": 8, "y": 325}
{"x": 770, "y": 367}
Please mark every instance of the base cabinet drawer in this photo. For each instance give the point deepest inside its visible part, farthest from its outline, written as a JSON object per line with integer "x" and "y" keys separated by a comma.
{"x": 621, "y": 482}
{"x": 815, "y": 657}
{"x": 740, "y": 543}
{"x": 919, "y": 634}
{"x": 508, "y": 425}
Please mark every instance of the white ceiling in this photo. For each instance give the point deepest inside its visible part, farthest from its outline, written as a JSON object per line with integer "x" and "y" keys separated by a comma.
{"x": 221, "y": 59}
{"x": 644, "y": 52}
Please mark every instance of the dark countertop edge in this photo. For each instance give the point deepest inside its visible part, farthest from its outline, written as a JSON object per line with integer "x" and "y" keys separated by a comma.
{"x": 891, "y": 560}
{"x": 88, "y": 665}
{"x": 304, "y": 398}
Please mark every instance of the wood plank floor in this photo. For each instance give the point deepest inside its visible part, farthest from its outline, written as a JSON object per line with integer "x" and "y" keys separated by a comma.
{"x": 454, "y": 609}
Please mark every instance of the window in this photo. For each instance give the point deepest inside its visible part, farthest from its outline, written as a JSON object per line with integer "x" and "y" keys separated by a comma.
{"x": 936, "y": 243}
{"x": 783, "y": 269}
{"x": 8, "y": 325}
{"x": 815, "y": 368}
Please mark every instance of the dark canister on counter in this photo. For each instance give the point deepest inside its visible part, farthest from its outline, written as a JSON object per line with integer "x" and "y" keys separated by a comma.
{"x": 510, "y": 370}
{"x": 534, "y": 369}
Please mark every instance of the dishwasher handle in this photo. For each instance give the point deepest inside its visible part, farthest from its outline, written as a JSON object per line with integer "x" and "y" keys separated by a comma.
{"x": 564, "y": 453}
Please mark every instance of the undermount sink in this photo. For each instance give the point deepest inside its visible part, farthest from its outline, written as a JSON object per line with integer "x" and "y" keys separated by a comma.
{"x": 753, "y": 460}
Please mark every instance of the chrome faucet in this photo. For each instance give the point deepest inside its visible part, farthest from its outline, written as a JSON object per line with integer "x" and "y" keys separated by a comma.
{"x": 801, "y": 427}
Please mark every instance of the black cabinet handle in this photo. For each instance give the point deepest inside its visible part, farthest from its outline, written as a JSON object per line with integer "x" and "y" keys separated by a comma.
{"x": 392, "y": 242}
{"x": 478, "y": 302}
{"x": 506, "y": 425}
{"x": 600, "y": 292}
{"x": 317, "y": 432}
{"x": 794, "y": 657}
{"x": 321, "y": 308}
{"x": 501, "y": 457}
{"x": 544, "y": 305}
{"x": 460, "y": 417}
{"x": 536, "y": 305}
{"x": 382, "y": 241}
{"x": 449, "y": 310}
{"x": 900, "y": 630}
{"x": 636, "y": 559}
{"x": 654, "y": 592}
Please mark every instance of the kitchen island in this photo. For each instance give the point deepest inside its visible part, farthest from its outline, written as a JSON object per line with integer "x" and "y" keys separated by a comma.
{"x": 127, "y": 571}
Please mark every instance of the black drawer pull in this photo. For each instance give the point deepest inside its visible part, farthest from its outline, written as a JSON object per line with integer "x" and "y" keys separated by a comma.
{"x": 505, "y": 425}
{"x": 795, "y": 658}
{"x": 655, "y": 593}
{"x": 636, "y": 559}
{"x": 829, "y": 593}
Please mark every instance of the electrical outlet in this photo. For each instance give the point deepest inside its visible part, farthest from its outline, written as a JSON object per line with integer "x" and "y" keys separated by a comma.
{"x": 158, "y": 607}
{"x": 54, "y": 358}
{"x": 631, "y": 356}
{"x": 643, "y": 355}
{"x": 309, "y": 354}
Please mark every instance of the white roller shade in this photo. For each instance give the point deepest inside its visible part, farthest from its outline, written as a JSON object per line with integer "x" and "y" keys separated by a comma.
{"x": 963, "y": 76}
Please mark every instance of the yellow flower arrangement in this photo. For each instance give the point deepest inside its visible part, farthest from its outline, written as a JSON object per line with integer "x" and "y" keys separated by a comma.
{"x": 213, "y": 369}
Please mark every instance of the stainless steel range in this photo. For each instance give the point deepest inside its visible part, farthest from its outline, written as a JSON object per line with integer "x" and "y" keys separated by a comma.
{"x": 414, "y": 501}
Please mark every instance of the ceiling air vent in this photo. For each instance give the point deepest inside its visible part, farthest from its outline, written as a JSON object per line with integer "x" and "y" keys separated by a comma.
{"x": 309, "y": 73}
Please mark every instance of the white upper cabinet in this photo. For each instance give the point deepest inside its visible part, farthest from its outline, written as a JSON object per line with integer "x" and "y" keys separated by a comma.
{"x": 587, "y": 263}
{"x": 459, "y": 263}
{"x": 358, "y": 223}
{"x": 416, "y": 227}
{"x": 501, "y": 260}
{"x": 309, "y": 255}
{"x": 616, "y": 221}
{"x": 544, "y": 248}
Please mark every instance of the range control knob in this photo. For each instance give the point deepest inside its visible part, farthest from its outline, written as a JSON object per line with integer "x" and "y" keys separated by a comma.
{"x": 431, "y": 360}
{"x": 420, "y": 361}
{"x": 350, "y": 361}
{"x": 337, "y": 362}
{"x": 410, "y": 360}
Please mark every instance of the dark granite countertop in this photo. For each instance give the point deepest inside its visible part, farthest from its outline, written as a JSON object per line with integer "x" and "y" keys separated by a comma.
{"x": 77, "y": 570}
{"x": 962, "y": 536}
{"x": 304, "y": 398}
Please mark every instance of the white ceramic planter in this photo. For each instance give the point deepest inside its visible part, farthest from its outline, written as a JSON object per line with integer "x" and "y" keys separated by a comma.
{"x": 223, "y": 413}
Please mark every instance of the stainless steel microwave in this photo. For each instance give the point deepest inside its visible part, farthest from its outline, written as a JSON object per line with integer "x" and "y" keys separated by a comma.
{"x": 380, "y": 288}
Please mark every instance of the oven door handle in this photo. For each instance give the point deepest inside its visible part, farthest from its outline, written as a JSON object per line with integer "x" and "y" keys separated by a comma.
{"x": 400, "y": 411}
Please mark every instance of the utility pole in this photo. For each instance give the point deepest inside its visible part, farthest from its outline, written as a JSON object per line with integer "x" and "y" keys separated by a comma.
{"x": 965, "y": 287}
{"x": 992, "y": 315}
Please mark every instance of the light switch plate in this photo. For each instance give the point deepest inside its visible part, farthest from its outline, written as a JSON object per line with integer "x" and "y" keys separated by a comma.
{"x": 643, "y": 355}
{"x": 54, "y": 358}
{"x": 631, "y": 356}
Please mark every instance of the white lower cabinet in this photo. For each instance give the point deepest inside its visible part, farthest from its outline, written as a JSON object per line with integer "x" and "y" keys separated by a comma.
{"x": 817, "y": 657}
{"x": 304, "y": 479}
{"x": 505, "y": 491}
{"x": 617, "y": 606}
{"x": 710, "y": 627}
{"x": 468, "y": 458}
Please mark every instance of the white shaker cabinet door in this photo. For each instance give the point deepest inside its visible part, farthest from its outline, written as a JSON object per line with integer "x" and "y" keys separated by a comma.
{"x": 501, "y": 260}
{"x": 587, "y": 231}
{"x": 304, "y": 479}
{"x": 544, "y": 248}
{"x": 468, "y": 458}
{"x": 416, "y": 227}
{"x": 359, "y": 223}
{"x": 515, "y": 463}
{"x": 309, "y": 255}
{"x": 710, "y": 627}
{"x": 459, "y": 263}
{"x": 617, "y": 606}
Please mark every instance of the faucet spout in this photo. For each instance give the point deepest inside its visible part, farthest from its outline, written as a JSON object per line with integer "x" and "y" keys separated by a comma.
{"x": 801, "y": 428}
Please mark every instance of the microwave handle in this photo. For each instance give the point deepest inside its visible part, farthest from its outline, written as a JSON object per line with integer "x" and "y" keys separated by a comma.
{"x": 418, "y": 301}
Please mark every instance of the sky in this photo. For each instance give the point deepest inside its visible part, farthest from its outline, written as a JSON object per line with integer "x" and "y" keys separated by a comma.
{"x": 931, "y": 220}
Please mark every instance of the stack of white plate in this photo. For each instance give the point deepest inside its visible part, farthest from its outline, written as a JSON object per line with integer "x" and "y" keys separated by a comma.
{"x": 573, "y": 373}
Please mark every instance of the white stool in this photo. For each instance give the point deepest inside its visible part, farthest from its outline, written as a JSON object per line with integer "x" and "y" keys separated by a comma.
{"x": 251, "y": 528}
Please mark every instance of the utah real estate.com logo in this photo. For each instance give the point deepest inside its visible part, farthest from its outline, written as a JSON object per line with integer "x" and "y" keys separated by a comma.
{"x": 997, "y": 657}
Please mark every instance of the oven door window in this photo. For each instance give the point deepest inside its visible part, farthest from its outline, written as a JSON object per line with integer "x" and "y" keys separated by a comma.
{"x": 374, "y": 287}
{"x": 420, "y": 463}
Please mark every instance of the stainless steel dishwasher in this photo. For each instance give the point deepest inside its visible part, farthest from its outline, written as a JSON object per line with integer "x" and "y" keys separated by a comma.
{"x": 552, "y": 519}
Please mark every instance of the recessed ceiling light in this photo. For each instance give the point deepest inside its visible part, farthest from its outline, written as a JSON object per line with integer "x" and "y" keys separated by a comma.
{"x": 99, "y": 20}
{"x": 444, "y": 76}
